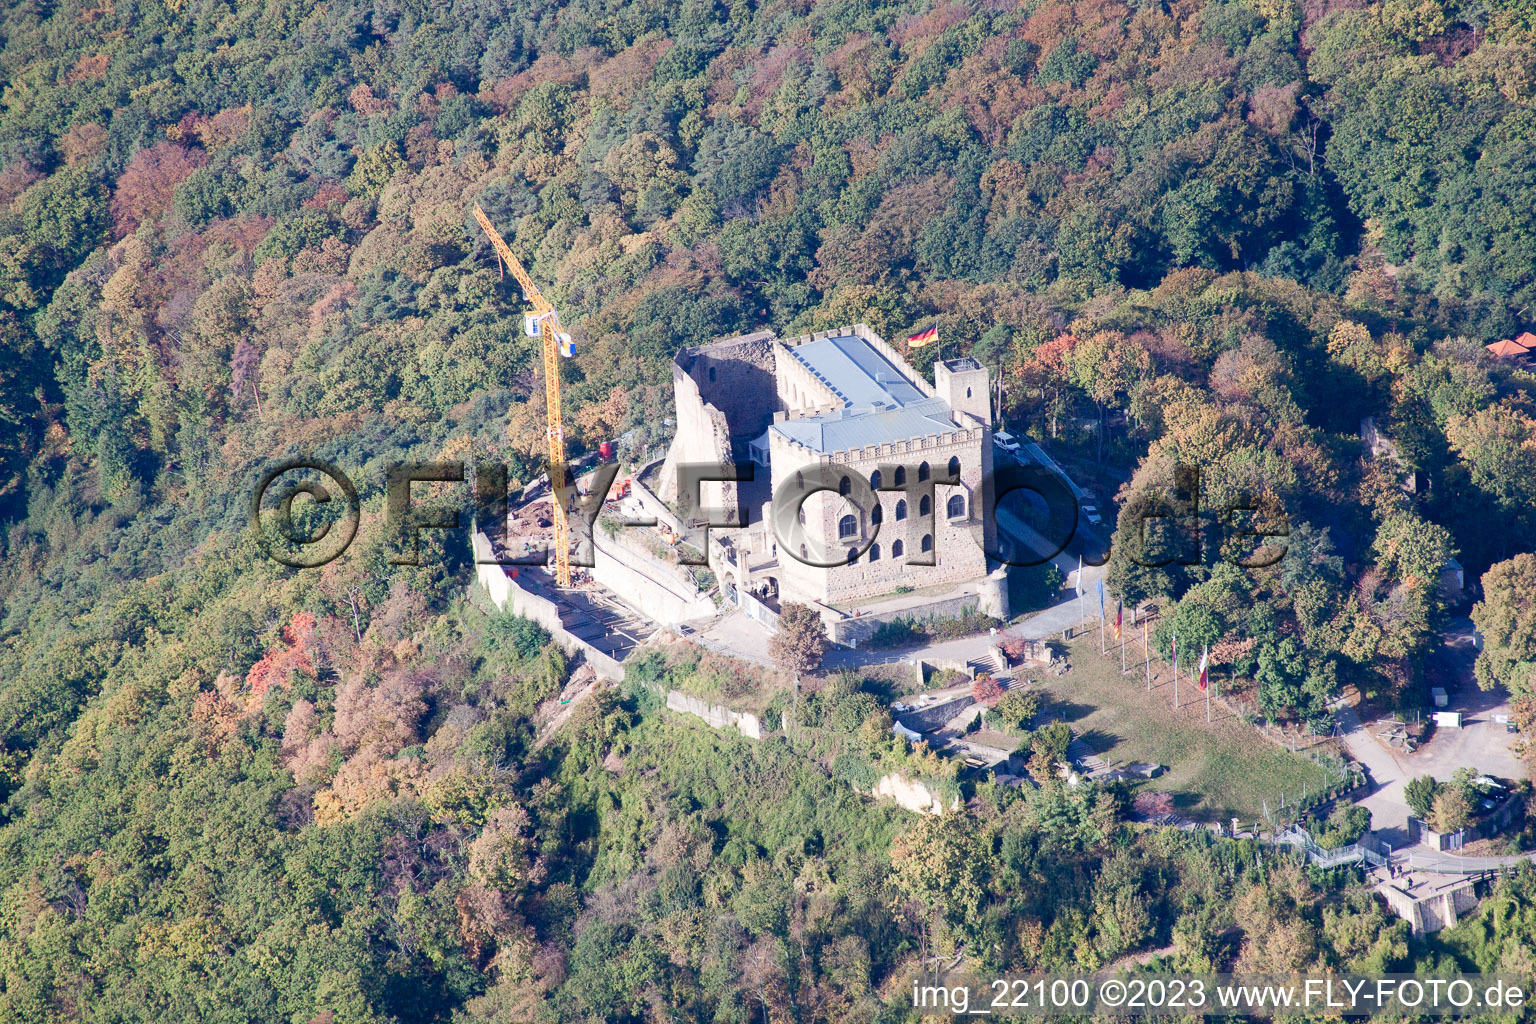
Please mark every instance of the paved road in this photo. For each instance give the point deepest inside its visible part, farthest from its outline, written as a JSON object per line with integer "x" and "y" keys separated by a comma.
{"x": 1481, "y": 742}
{"x": 1422, "y": 859}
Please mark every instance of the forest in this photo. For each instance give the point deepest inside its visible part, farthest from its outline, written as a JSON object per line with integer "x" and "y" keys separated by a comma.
{"x": 1217, "y": 233}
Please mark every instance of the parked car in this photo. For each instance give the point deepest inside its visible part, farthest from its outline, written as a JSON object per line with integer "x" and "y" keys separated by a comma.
{"x": 1005, "y": 441}
{"x": 1091, "y": 513}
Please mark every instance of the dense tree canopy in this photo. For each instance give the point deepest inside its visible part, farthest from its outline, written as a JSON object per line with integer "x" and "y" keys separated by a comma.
{"x": 1204, "y": 233}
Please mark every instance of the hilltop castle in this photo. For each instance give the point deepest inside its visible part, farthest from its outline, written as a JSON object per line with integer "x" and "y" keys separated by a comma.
{"x": 842, "y": 397}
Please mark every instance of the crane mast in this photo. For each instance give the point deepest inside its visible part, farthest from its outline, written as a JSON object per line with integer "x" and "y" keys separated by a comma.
{"x": 548, "y": 322}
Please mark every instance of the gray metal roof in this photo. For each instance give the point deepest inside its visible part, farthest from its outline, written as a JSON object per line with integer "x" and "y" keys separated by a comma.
{"x": 848, "y": 428}
{"x": 880, "y": 403}
{"x": 856, "y": 373}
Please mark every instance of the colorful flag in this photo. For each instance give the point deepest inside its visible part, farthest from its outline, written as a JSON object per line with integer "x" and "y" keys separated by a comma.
{"x": 925, "y": 336}
{"x": 1101, "y": 599}
{"x": 1119, "y": 615}
{"x": 1175, "y": 659}
{"x": 1204, "y": 657}
{"x": 1077, "y": 586}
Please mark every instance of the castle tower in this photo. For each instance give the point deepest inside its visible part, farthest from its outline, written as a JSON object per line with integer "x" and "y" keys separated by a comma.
{"x": 964, "y": 385}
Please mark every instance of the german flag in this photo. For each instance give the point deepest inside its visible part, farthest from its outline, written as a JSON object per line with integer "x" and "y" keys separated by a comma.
{"x": 925, "y": 336}
{"x": 1119, "y": 616}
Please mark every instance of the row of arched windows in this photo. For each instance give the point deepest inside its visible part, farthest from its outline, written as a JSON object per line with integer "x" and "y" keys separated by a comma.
{"x": 897, "y": 549}
{"x": 923, "y": 473}
{"x": 848, "y": 526}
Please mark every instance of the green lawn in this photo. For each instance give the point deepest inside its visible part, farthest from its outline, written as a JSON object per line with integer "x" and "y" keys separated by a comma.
{"x": 1214, "y": 772}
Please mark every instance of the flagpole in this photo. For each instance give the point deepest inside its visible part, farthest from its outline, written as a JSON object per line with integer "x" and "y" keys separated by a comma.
{"x": 1102, "y": 649}
{"x": 1205, "y": 677}
{"x": 1082, "y": 610}
{"x": 1120, "y": 634}
{"x": 1175, "y": 671}
{"x": 1146, "y": 651}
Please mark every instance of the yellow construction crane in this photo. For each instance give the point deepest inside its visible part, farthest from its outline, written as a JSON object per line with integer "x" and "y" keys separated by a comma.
{"x": 544, "y": 322}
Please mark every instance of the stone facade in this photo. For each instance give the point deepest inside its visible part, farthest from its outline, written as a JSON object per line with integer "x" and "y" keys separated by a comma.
{"x": 723, "y": 394}
{"x": 754, "y": 388}
{"x": 948, "y": 542}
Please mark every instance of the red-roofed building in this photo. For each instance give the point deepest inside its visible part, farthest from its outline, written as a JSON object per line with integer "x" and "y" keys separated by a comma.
{"x": 1507, "y": 349}
{"x": 1526, "y": 340}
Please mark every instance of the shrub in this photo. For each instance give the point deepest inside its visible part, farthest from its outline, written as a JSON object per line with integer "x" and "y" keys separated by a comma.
{"x": 896, "y": 633}
{"x": 1345, "y": 825}
{"x": 1017, "y": 709}
{"x": 856, "y": 770}
{"x": 513, "y": 635}
{"x": 1420, "y": 796}
{"x": 1153, "y": 804}
{"x": 1452, "y": 810}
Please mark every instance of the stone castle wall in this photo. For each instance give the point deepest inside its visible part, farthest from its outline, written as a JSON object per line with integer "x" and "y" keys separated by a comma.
{"x": 956, "y": 554}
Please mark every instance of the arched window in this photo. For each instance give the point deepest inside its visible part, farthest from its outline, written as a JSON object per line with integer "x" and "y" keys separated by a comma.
{"x": 844, "y": 486}
{"x": 877, "y": 515}
{"x": 896, "y": 549}
{"x": 967, "y": 391}
{"x": 874, "y": 552}
{"x": 901, "y": 511}
{"x": 853, "y": 555}
{"x": 922, "y": 472}
{"x": 802, "y": 515}
{"x": 803, "y": 553}
{"x": 847, "y": 526}
{"x": 901, "y": 476}
{"x": 874, "y": 480}
{"x": 799, "y": 480}
{"x": 927, "y": 542}
{"x": 956, "y": 507}
{"x": 954, "y": 467}
{"x": 925, "y": 507}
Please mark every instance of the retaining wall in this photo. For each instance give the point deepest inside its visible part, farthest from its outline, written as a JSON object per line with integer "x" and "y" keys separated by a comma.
{"x": 649, "y": 586}
{"x": 508, "y": 595}
{"x": 936, "y": 715}
{"x": 717, "y": 716}
{"x": 851, "y": 630}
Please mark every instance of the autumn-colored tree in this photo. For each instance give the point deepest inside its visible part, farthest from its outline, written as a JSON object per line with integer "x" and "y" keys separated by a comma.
{"x": 145, "y": 187}
{"x": 800, "y": 641}
{"x": 1046, "y": 371}
{"x": 296, "y": 653}
{"x": 1452, "y": 810}
{"x": 386, "y": 715}
{"x": 986, "y": 691}
{"x": 936, "y": 863}
{"x": 1506, "y": 618}
{"x": 306, "y": 750}
{"x": 502, "y": 856}
{"x": 1498, "y": 446}
{"x": 364, "y": 780}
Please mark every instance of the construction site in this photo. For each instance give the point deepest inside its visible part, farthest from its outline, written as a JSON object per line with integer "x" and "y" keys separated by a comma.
{"x": 906, "y": 514}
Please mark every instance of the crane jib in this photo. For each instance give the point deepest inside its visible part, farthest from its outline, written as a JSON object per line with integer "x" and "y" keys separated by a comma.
{"x": 557, "y": 343}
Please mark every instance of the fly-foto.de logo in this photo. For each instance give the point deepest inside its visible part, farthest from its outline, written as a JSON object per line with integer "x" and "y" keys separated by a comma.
{"x": 306, "y": 512}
